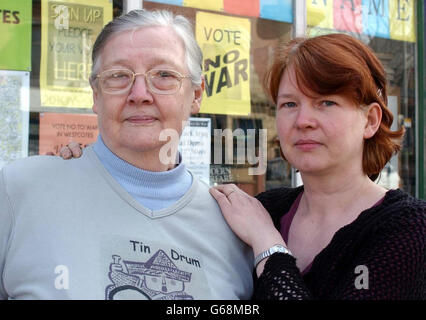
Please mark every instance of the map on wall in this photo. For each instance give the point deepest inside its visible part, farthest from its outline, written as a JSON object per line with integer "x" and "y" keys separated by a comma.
{"x": 14, "y": 115}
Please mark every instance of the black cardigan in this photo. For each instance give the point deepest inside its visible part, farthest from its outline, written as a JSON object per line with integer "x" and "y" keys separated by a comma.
{"x": 387, "y": 242}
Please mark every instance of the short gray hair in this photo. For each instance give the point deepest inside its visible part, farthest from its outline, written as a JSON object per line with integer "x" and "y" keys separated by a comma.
{"x": 136, "y": 19}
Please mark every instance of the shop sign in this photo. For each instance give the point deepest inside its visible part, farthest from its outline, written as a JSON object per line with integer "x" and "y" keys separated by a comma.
{"x": 279, "y": 10}
{"x": 390, "y": 19}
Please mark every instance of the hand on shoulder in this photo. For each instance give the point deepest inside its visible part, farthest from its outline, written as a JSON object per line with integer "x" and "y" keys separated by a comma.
{"x": 247, "y": 217}
{"x": 71, "y": 150}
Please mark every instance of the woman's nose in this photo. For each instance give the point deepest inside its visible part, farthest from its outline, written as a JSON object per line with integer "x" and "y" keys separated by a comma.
{"x": 305, "y": 117}
{"x": 139, "y": 92}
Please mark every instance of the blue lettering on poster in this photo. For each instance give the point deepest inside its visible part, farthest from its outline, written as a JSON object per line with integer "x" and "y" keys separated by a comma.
{"x": 279, "y": 10}
{"x": 172, "y": 2}
{"x": 375, "y": 17}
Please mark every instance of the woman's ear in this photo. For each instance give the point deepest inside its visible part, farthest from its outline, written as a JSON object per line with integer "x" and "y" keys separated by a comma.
{"x": 198, "y": 96}
{"x": 95, "y": 97}
{"x": 374, "y": 118}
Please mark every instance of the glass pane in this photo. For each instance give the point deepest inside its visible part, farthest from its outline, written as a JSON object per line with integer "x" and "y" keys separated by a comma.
{"x": 424, "y": 105}
{"x": 388, "y": 27}
{"x": 264, "y": 35}
{"x": 398, "y": 57}
{"x": 36, "y": 107}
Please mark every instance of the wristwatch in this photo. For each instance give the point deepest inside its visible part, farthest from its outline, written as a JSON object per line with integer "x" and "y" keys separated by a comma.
{"x": 269, "y": 252}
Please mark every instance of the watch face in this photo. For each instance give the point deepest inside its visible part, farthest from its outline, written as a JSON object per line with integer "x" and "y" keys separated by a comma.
{"x": 279, "y": 248}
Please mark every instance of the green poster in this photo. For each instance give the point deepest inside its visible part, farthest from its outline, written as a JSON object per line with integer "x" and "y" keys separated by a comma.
{"x": 15, "y": 30}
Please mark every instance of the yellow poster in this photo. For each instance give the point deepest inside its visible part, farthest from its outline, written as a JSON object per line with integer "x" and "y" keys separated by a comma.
{"x": 225, "y": 42}
{"x": 402, "y": 20}
{"x": 69, "y": 30}
{"x": 214, "y": 5}
{"x": 320, "y": 13}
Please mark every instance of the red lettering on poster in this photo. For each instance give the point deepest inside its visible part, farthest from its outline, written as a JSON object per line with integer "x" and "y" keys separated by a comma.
{"x": 348, "y": 15}
{"x": 243, "y": 8}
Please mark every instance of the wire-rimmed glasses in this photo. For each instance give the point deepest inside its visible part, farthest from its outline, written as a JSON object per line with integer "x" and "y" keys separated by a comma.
{"x": 159, "y": 81}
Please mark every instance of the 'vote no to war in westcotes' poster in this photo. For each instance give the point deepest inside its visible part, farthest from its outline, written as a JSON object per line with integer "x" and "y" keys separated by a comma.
{"x": 59, "y": 129}
{"x": 69, "y": 29}
{"x": 225, "y": 42}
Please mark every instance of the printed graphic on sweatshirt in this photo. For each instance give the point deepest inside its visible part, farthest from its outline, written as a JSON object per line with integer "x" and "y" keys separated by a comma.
{"x": 154, "y": 272}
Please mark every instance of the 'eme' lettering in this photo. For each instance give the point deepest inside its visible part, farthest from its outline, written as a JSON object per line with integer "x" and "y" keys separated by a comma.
{"x": 342, "y": 5}
{"x": 314, "y": 2}
{"x": 377, "y": 7}
{"x": 402, "y": 8}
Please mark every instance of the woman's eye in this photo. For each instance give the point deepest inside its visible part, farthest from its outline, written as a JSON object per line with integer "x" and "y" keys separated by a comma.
{"x": 164, "y": 74}
{"x": 119, "y": 75}
{"x": 328, "y": 103}
{"x": 287, "y": 105}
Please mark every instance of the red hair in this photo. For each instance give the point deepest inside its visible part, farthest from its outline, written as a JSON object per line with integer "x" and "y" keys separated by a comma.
{"x": 341, "y": 64}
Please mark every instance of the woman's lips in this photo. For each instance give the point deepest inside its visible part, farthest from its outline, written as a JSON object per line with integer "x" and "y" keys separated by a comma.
{"x": 141, "y": 119}
{"x": 307, "y": 145}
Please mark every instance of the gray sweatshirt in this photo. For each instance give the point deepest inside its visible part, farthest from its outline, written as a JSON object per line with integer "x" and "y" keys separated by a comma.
{"x": 68, "y": 230}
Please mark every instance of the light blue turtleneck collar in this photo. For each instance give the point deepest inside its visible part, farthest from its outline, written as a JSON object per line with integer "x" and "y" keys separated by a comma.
{"x": 154, "y": 190}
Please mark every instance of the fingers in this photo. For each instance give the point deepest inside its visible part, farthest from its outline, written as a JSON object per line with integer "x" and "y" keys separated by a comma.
{"x": 65, "y": 153}
{"x": 75, "y": 149}
{"x": 224, "y": 204}
{"x": 227, "y": 195}
{"x": 227, "y": 189}
{"x": 72, "y": 150}
{"x": 220, "y": 197}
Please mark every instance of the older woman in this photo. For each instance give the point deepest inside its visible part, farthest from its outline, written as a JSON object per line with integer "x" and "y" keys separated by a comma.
{"x": 118, "y": 222}
{"x": 340, "y": 235}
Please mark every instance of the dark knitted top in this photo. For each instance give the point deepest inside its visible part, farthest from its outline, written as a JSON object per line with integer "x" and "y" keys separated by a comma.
{"x": 387, "y": 241}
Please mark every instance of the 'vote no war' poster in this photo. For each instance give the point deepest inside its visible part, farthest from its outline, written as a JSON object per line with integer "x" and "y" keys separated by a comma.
{"x": 225, "y": 42}
{"x": 69, "y": 30}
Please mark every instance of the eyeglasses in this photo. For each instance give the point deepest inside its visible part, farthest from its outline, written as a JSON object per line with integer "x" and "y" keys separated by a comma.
{"x": 159, "y": 81}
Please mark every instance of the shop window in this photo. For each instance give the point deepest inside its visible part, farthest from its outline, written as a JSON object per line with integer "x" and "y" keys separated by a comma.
{"x": 388, "y": 27}
{"x": 264, "y": 34}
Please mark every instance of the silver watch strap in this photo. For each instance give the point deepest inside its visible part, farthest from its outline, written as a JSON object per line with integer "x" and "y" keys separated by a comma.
{"x": 265, "y": 254}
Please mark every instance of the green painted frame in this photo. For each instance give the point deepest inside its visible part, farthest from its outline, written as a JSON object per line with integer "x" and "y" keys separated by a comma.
{"x": 421, "y": 72}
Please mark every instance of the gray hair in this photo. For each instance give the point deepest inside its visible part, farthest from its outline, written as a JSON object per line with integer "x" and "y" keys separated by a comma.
{"x": 136, "y": 19}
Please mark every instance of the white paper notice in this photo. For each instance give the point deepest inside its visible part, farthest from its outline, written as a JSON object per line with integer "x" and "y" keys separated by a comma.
{"x": 195, "y": 146}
